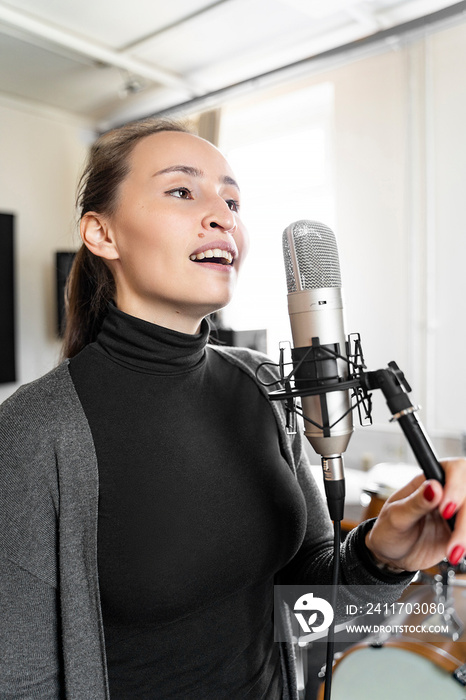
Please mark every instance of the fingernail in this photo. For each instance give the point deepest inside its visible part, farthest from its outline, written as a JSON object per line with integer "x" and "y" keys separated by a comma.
{"x": 449, "y": 510}
{"x": 456, "y": 555}
{"x": 429, "y": 493}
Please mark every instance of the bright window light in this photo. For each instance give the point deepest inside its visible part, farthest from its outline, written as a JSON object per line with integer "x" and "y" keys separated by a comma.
{"x": 280, "y": 151}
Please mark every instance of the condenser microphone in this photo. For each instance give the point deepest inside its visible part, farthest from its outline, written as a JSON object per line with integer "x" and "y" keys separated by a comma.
{"x": 315, "y": 307}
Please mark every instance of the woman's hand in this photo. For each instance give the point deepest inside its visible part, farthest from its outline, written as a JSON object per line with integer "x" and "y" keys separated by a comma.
{"x": 411, "y": 532}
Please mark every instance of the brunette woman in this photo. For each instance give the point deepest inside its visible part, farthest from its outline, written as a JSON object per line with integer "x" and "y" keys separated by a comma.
{"x": 150, "y": 495}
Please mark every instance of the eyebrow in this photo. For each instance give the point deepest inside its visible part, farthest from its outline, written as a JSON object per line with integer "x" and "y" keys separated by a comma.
{"x": 195, "y": 172}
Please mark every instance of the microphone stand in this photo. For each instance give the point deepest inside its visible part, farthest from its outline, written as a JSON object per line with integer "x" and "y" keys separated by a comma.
{"x": 334, "y": 483}
{"x": 395, "y": 389}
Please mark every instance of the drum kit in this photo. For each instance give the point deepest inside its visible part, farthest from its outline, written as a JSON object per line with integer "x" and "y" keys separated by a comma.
{"x": 413, "y": 664}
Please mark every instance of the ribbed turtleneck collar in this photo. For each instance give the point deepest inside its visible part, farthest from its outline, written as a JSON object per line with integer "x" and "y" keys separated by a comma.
{"x": 144, "y": 346}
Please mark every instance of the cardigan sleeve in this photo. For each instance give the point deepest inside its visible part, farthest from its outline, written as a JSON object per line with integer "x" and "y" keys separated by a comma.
{"x": 29, "y": 656}
{"x": 29, "y": 635}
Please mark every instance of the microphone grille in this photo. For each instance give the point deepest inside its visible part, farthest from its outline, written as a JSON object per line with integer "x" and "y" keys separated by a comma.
{"x": 311, "y": 256}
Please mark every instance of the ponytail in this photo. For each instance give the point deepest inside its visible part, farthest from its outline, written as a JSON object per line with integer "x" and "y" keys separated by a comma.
{"x": 89, "y": 289}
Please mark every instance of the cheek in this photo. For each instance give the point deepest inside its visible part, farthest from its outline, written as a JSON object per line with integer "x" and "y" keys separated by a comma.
{"x": 242, "y": 241}
{"x": 137, "y": 239}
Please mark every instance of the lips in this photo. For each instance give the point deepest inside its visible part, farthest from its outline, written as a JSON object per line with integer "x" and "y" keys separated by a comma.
{"x": 220, "y": 252}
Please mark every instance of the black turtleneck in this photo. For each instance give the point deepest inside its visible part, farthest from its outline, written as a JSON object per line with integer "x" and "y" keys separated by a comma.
{"x": 197, "y": 512}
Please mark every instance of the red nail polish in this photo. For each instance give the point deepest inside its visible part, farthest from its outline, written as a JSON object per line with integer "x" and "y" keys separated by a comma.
{"x": 429, "y": 493}
{"x": 456, "y": 555}
{"x": 449, "y": 510}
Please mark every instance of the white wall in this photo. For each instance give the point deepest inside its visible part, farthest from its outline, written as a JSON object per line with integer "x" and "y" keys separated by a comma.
{"x": 448, "y": 174}
{"x": 370, "y": 186}
{"x": 400, "y": 166}
{"x": 41, "y": 154}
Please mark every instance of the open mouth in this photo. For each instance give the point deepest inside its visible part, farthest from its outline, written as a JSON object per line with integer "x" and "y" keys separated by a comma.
{"x": 216, "y": 255}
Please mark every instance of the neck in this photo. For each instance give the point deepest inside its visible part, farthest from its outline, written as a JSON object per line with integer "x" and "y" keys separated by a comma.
{"x": 174, "y": 319}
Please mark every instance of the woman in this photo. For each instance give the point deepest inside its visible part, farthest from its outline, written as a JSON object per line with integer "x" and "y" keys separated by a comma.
{"x": 151, "y": 497}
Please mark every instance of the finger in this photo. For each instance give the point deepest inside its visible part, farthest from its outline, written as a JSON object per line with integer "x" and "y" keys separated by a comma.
{"x": 454, "y": 493}
{"x": 454, "y": 503}
{"x": 407, "y": 489}
{"x": 456, "y": 545}
{"x": 416, "y": 503}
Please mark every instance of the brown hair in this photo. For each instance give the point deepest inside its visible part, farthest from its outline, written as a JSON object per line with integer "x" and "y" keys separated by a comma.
{"x": 91, "y": 285}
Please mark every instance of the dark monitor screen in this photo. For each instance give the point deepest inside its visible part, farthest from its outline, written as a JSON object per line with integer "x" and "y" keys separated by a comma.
{"x": 7, "y": 300}
{"x": 63, "y": 261}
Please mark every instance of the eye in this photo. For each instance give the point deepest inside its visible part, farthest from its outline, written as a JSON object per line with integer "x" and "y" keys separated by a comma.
{"x": 233, "y": 204}
{"x": 181, "y": 193}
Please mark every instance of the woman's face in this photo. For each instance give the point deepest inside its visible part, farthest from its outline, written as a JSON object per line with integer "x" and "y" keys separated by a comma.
{"x": 177, "y": 233}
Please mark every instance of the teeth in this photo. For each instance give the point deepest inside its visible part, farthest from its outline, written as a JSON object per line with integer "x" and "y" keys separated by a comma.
{"x": 215, "y": 253}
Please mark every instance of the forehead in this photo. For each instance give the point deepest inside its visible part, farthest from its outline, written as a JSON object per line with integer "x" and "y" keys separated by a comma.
{"x": 167, "y": 148}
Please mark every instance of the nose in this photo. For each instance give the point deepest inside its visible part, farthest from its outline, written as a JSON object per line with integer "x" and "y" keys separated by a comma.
{"x": 222, "y": 217}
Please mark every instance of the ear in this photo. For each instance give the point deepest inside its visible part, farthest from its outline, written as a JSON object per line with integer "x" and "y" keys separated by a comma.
{"x": 97, "y": 236}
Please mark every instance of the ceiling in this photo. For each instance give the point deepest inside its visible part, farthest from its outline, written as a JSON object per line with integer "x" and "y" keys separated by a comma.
{"x": 109, "y": 61}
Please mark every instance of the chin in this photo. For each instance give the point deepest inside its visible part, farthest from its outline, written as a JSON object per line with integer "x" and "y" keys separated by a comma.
{"x": 211, "y": 308}
{"x": 218, "y": 300}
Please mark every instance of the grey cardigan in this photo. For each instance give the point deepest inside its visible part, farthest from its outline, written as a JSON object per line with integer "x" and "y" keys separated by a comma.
{"x": 51, "y": 631}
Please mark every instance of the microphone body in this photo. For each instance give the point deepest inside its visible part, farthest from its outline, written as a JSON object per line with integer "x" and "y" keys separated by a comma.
{"x": 315, "y": 307}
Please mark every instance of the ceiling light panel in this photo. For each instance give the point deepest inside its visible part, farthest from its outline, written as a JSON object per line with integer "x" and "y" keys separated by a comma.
{"x": 227, "y": 32}
{"x": 112, "y": 24}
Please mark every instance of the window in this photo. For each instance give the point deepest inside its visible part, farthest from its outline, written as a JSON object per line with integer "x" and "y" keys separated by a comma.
{"x": 280, "y": 151}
